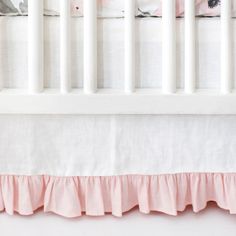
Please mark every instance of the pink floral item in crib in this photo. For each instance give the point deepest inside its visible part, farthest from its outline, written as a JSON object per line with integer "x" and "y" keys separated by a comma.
{"x": 114, "y": 8}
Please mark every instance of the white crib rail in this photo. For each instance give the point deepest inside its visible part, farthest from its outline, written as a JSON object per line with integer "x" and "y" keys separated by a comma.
{"x": 35, "y": 59}
{"x": 129, "y": 46}
{"x": 91, "y": 100}
{"x": 65, "y": 48}
{"x": 226, "y": 47}
{"x": 90, "y": 46}
{"x": 169, "y": 47}
{"x": 190, "y": 47}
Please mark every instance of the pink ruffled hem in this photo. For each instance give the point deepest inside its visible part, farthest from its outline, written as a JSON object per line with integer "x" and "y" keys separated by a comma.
{"x": 95, "y": 196}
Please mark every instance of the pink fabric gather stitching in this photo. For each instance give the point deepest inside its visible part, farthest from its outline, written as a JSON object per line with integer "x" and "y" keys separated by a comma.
{"x": 95, "y": 196}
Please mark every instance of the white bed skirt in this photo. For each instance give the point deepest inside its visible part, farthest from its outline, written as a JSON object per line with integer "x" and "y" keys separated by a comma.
{"x": 116, "y": 145}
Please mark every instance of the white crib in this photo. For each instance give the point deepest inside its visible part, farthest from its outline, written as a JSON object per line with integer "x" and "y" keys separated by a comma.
{"x": 32, "y": 144}
{"x": 91, "y": 100}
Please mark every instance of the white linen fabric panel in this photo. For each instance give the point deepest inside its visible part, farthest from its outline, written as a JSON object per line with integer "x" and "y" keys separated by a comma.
{"x": 116, "y": 145}
{"x": 13, "y": 56}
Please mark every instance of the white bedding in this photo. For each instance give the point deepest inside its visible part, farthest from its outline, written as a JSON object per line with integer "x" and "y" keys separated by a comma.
{"x": 13, "y": 56}
{"x": 117, "y": 145}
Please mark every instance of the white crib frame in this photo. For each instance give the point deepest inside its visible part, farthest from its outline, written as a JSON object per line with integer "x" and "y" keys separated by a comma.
{"x": 90, "y": 100}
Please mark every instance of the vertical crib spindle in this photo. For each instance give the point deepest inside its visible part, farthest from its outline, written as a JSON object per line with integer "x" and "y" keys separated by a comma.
{"x": 90, "y": 46}
{"x": 35, "y": 45}
{"x": 190, "y": 47}
{"x": 169, "y": 46}
{"x": 65, "y": 48}
{"x": 129, "y": 46}
{"x": 226, "y": 47}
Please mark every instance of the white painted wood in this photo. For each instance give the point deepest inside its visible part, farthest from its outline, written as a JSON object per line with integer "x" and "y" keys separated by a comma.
{"x": 190, "y": 47}
{"x": 169, "y": 46}
{"x": 112, "y": 102}
{"x": 226, "y": 47}
{"x": 91, "y": 101}
{"x": 90, "y": 46}
{"x": 35, "y": 45}
{"x": 129, "y": 46}
{"x": 65, "y": 47}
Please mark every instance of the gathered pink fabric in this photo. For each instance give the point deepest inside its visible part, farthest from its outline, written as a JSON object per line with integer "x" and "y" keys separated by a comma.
{"x": 95, "y": 196}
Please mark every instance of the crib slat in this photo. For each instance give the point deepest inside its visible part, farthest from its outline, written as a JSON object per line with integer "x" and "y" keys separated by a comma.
{"x": 190, "y": 47}
{"x": 65, "y": 47}
{"x": 35, "y": 46}
{"x": 129, "y": 46}
{"x": 169, "y": 46}
{"x": 90, "y": 46}
{"x": 226, "y": 46}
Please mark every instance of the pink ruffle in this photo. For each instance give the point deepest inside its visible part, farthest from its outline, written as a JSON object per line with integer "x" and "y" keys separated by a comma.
{"x": 70, "y": 196}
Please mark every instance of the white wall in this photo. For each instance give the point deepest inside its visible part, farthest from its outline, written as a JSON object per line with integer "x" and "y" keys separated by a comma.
{"x": 211, "y": 222}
